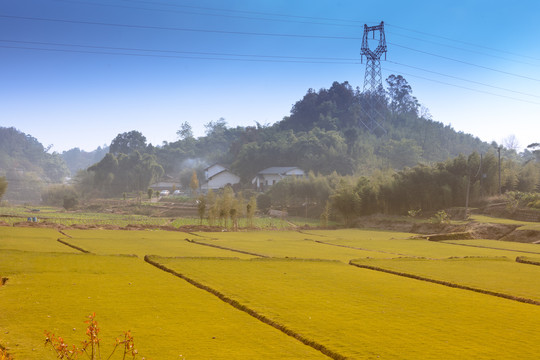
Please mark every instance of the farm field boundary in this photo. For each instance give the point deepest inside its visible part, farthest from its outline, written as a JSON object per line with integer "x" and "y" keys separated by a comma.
{"x": 358, "y": 248}
{"x": 226, "y": 248}
{"x": 488, "y": 247}
{"x": 317, "y": 346}
{"x": 73, "y": 246}
{"x": 527, "y": 260}
{"x": 446, "y": 283}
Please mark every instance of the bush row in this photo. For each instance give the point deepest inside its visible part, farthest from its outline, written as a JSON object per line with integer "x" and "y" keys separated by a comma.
{"x": 527, "y": 260}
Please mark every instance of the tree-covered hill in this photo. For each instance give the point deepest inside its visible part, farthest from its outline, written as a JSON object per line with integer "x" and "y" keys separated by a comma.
{"x": 27, "y": 166}
{"x": 327, "y": 132}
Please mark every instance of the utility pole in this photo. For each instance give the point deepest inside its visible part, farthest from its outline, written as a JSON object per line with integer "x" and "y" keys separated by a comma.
{"x": 499, "y": 151}
{"x": 373, "y": 79}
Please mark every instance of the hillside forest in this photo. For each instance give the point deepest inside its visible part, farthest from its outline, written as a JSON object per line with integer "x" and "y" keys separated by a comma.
{"x": 408, "y": 161}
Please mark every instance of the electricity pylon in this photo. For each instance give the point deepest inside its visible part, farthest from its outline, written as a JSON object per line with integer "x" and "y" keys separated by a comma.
{"x": 373, "y": 90}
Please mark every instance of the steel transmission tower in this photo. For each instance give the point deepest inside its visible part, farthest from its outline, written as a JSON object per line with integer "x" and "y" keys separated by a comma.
{"x": 373, "y": 78}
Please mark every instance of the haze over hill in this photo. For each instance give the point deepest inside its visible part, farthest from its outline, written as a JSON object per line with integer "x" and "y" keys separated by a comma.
{"x": 76, "y": 73}
{"x": 325, "y": 133}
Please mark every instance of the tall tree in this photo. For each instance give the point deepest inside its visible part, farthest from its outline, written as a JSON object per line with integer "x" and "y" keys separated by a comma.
{"x": 128, "y": 142}
{"x": 194, "y": 183}
{"x": 185, "y": 132}
{"x": 3, "y": 185}
{"x": 400, "y": 93}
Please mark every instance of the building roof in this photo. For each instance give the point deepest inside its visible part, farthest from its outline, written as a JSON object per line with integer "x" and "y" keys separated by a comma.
{"x": 221, "y": 172}
{"x": 216, "y": 164}
{"x": 280, "y": 170}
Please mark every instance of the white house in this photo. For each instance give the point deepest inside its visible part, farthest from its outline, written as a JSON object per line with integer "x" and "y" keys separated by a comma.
{"x": 164, "y": 185}
{"x": 218, "y": 176}
{"x": 273, "y": 175}
{"x": 213, "y": 170}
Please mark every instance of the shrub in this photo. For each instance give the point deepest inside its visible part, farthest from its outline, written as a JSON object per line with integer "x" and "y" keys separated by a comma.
{"x": 441, "y": 217}
{"x": 91, "y": 346}
{"x": 60, "y": 195}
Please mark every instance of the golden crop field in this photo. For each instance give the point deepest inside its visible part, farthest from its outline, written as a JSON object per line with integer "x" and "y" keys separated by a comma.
{"x": 142, "y": 242}
{"x": 169, "y": 318}
{"x": 290, "y": 244}
{"x": 364, "y": 314}
{"x": 400, "y": 244}
{"x": 304, "y": 288}
{"x": 500, "y": 275}
{"x": 502, "y": 245}
{"x": 32, "y": 239}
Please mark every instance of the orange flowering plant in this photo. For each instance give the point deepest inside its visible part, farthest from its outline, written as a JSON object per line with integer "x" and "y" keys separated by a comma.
{"x": 91, "y": 346}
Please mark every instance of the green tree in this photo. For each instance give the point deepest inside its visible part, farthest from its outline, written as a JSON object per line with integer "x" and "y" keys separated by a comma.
{"x": 194, "y": 183}
{"x": 346, "y": 202}
{"x": 185, "y": 132}
{"x": 201, "y": 207}
{"x": 211, "y": 205}
{"x": 404, "y": 152}
{"x": 400, "y": 93}
{"x": 3, "y": 186}
{"x": 251, "y": 209}
{"x": 128, "y": 142}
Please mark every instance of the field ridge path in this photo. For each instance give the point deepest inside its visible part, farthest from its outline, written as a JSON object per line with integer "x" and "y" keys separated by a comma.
{"x": 358, "y": 248}
{"x": 74, "y": 246}
{"x": 449, "y": 242}
{"x": 447, "y": 283}
{"x": 315, "y": 345}
{"x": 226, "y": 248}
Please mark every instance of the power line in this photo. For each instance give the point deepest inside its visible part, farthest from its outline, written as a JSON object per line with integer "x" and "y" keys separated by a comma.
{"x": 178, "y": 29}
{"x": 315, "y": 21}
{"x": 465, "y": 62}
{"x": 258, "y": 34}
{"x": 464, "y": 42}
{"x": 337, "y": 60}
{"x": 360, "y": 23}
{"x": 348, "y": 22}
{"x": 463, "y": 79}
{"x": 464, "y": 87}
{"x": 351, "y": 23}
{"x": 464, "y": 49}
{"x": 180, "y": 56}
{"x": 107, "y": 50}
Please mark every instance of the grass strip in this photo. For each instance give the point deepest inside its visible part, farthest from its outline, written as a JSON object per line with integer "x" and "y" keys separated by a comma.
{"x": 358, "y": 248}
{"x": 226, "y": 248}
{"x": 315, "y": 345}
{"x": 447, "y": 283}
{"x": 73, "y": 246}
{"x": 527, "y": 260}
{"x": 488, "y": 247}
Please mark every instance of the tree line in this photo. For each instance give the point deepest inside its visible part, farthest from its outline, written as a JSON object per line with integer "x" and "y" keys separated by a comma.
{"x": 324, "y": 134}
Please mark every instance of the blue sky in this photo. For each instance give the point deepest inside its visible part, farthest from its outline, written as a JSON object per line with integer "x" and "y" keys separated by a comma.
{"x": 75, "y": 73}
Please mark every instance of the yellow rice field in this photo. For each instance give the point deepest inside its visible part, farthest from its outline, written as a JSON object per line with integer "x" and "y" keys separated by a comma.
{"x": 250, "y": 288}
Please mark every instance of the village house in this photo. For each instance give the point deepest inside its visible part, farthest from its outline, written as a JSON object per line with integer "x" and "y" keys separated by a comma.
{"x": 272, "y": 175}
{"x": 217, "y": 177}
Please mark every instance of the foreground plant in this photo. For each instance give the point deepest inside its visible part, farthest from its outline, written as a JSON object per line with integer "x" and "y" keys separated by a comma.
{"x": 91, "y": 346}
{"x": 4, "y": 355}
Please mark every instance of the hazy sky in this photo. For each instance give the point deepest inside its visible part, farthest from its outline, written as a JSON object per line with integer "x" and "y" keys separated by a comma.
{"x": 75, "y": 73}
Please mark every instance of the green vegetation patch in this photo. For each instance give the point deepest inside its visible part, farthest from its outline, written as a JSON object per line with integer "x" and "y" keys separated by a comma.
{"x": 361, "y": 313}
{"x": 498, "y": 275}
{"x": 169, "y": 318}
{"x": 524, "y": 225}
